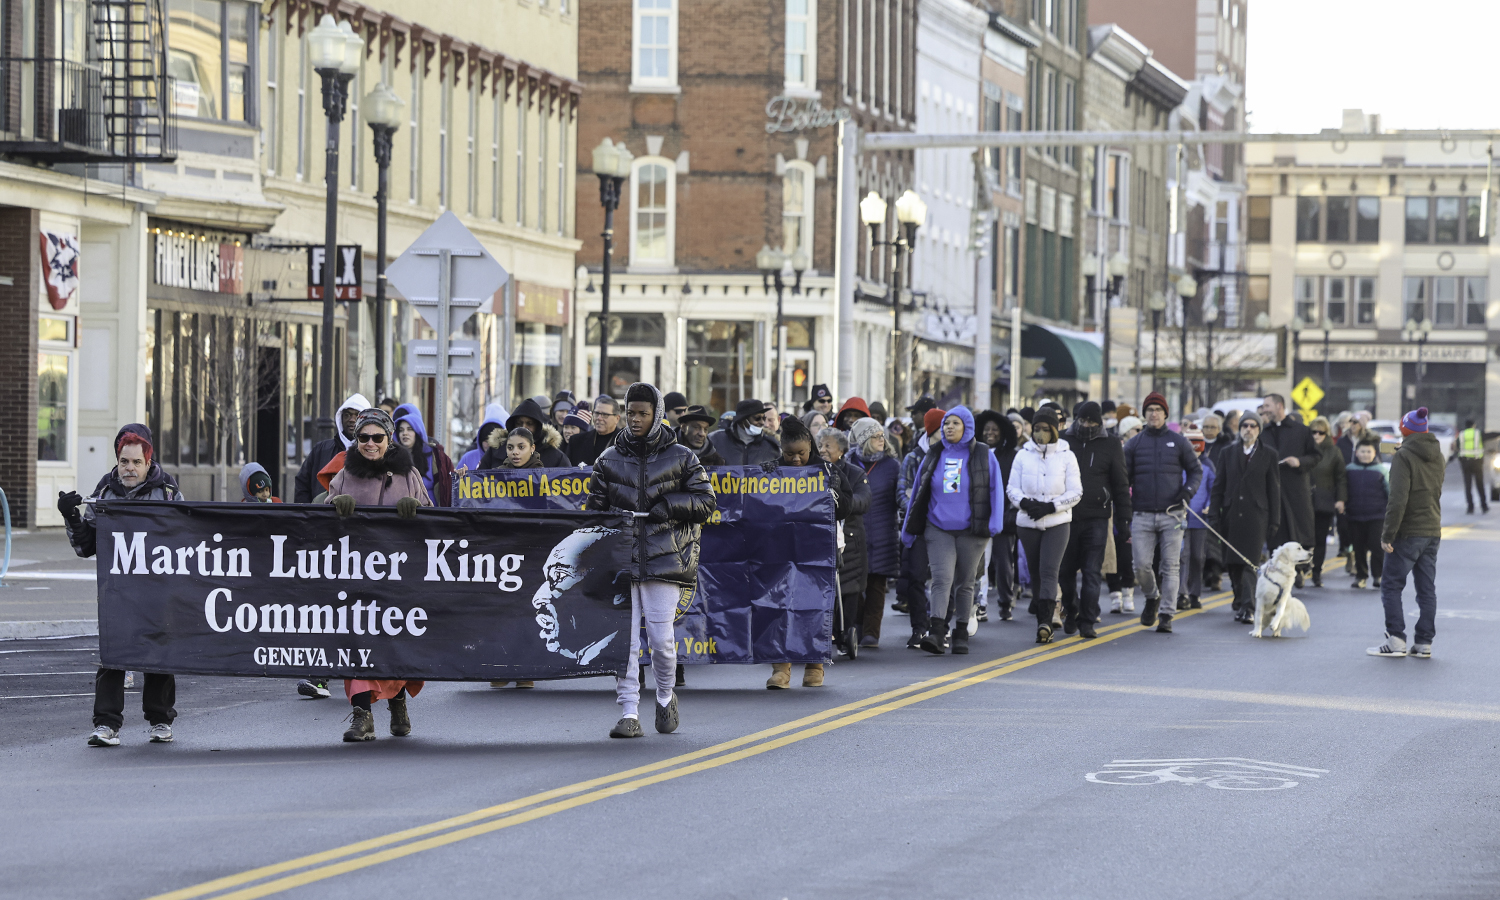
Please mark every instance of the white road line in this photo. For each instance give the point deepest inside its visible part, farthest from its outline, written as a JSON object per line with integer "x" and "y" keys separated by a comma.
{"x": 50, "y": 696}
{"x": 53, "y": 576}
{"x": 54, "y": 650}
{"x": 34, "y": 674}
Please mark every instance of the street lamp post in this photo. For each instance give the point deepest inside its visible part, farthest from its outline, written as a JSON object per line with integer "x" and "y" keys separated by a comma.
{"x": 1157, "y": 303}
{"x": 1210, "y": 313}
{"x": 774, "y": 264}
{"x": 334, "y": 52}
{"x": 1116, "y": 267}
{"x": 911, "y": 214}
{"x": 1295, "y": 326}
{"x": 1417, "y": 329}
{"x": 612, "y": 165}
{"x": 1185, "y": 286}
{"x": 382, "y": 109}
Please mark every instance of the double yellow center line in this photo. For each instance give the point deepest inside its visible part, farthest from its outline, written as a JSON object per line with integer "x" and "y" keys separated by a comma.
{"x": 315, "y": 867}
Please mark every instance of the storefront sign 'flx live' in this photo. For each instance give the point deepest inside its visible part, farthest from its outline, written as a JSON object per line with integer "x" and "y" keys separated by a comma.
{"x": 350, "y": 278}
{"x": 786, "y": 113}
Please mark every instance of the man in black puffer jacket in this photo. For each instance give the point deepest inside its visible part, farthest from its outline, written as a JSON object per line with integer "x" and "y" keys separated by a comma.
{"x": 1164, "y": 474}
{"x": 1106, "y": 494}
{"x": 646, "y": 472}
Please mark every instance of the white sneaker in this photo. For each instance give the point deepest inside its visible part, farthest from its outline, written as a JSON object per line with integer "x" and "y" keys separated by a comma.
{"x": 1129, "y": 598}
{"x": 1114, "y": 601}
{"x": 1057, "y": 614}
{"x": 1420, "y": 651}
{"x": 161, "y": 733}
{"x": 104, "y": 736}
{"x": 1393, "y": 647}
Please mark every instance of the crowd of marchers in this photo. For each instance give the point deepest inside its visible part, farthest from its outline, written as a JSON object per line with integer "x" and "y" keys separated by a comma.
{"x": 966, "y": 517}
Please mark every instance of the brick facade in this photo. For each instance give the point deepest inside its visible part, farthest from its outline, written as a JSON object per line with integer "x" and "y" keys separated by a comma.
{"x": 18, "y": 314}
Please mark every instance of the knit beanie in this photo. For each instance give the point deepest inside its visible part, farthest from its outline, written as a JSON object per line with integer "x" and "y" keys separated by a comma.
{"x": 932, "y": 420}
{"x": 1154, "y": 399}
{"x": 1415, "y": 422}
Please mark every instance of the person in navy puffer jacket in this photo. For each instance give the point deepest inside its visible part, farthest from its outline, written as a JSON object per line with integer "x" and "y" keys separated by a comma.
{"x": 1369, "y": 492}
{"x": 1164, "y": 474}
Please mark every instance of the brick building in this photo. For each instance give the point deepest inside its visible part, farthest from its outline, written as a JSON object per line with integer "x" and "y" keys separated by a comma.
{"x": 730, "y": 110}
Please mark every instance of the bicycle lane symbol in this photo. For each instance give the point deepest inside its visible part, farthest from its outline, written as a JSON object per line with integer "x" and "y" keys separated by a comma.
{"x": 1227, "y": 773}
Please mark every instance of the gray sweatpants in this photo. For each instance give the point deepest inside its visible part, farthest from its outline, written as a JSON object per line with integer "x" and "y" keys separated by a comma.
{"x": 657, "y": 601}
{"x": 955, "y": 558}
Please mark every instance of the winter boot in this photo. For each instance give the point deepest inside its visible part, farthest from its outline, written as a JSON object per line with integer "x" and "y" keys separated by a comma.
{"x": 781, "y": 677}
{"x": 933, "y": 641}
{"x": 960, "y": 640}
{"x": 362, "y": 727}
{"x": 1115, "y": 602}
{"x": 812, "y": 675}
{"x": 1194, "y": 602}
{"x": 1128, "y": 595}
{"x": 400, "y": 721}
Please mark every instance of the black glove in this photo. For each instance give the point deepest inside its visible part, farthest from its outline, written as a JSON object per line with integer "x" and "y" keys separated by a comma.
{"x": 1041, "y": 508}
{"x": 67, "y": 504}
{"x": 658, "y": 514}
{"x": 406, "y": 507}
{"x": 1028, "y": 506}
{"x": 770, "y": 466}
{"x": 344, "y": 504}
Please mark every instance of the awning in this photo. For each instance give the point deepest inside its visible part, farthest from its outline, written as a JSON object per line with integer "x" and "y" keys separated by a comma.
{"x": 1067, "y": 355}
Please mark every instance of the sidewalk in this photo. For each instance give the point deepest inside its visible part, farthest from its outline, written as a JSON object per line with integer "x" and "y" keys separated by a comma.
{"x": 48, "y": 591}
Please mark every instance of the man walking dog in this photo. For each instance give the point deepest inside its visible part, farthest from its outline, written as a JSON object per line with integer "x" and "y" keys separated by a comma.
{"x": 1413, "y": 527}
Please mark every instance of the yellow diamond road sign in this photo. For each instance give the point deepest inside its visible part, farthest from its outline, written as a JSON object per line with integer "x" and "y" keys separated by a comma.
{"x": 1307, "y": 393}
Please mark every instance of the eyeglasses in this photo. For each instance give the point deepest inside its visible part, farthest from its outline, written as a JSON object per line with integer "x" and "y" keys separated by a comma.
{"x": 371, "y": 438}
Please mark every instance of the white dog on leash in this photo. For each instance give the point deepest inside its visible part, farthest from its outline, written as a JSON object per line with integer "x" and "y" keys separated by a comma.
{"x": 1275, "y": 607}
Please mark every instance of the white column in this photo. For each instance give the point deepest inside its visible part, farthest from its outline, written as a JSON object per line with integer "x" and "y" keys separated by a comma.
{"x": 847, "y": 228}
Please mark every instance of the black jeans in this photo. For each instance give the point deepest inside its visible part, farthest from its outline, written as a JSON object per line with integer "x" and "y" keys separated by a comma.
{"x": 912, "y": 585}
{"x": 1242, "y": 581}
{"x": 1003, "y": 569}
{"x": 1124, "y": 562}
{"x": 157, "y": 698}
{"x": 1369, "y": 557}
{"x": 1085, "y": 553}
{"x": 1473, "y": 470}
{"x": 1322, "y": 522}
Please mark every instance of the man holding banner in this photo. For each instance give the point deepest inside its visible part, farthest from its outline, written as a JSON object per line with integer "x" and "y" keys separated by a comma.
{"x": 647, "y": 473}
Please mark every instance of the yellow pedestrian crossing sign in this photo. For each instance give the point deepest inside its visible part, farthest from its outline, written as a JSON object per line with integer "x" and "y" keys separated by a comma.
{"x": 1307, "y": 393}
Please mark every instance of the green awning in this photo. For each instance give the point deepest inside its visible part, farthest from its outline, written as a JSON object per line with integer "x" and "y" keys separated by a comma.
{"x": 1065, "y": 355}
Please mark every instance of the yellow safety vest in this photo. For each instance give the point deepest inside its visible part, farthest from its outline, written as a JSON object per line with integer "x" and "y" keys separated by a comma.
{"x": 1471, "y": 444}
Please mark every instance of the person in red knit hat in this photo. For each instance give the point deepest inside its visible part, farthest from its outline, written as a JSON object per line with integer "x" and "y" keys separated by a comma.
{"x": 1164, "y": 474}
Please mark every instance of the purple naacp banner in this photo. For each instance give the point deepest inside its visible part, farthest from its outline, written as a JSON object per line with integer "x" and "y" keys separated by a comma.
{"x": 766, "y": 571}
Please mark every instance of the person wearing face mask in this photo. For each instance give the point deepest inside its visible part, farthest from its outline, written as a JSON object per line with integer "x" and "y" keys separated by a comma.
{"x": 1106, "y": 497}
{"x": 1045, "y": 485}
{"x": 957, "y": 505}
{"x": 1246, "y": 500}
{"x": 135, "y": 477}
{"x": 1164, "y": 474}
{"x": 745, "y": 442}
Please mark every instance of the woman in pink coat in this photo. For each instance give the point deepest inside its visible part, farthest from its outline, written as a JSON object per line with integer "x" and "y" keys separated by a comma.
{"x": 378, "y": 472}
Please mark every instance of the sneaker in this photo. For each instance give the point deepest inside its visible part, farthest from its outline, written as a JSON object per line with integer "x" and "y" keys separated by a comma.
{"x": 104, "y": 736}
{"x": 1005, "y": 613}
{"x": 900, "y": 606}
{"x": 1164, "y": 625}
{"x": 361, "y": 726}
{"x": 1149, "y": 608}
{"x": 1114, "y": 602}
{"x": 1422, "y": 651}
{"x": 1393, "y": 647}
{"x": 317, "y": 690}
{"x": 960, "y": 642}
{"x": 1359, "y": 583}
{"x": 666, "y": 716}
{"x": 1182, "y": 603}
{"x": 161, "y": 733}
{"x": 1129, "y": 598}
{"x": 400, "y": 720}
{"x": 1044, "y": 633}
{"x": 1194, "y": 602}
{"x": 983, "y": 614}
{"x": 1375, "y": 583}
{"x": 627, "y": 727}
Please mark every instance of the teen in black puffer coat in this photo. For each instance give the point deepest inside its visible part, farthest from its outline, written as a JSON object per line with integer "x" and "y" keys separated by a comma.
{"x": 656, "y": 475}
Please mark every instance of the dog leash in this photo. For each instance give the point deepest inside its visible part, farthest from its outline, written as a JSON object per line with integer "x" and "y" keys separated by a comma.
{"x": 1222, "y": 538}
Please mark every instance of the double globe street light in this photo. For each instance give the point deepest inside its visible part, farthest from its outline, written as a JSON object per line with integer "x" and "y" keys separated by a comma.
{"x": 1116, "y": 268}
{"x": 382, "y": 109}
{"x": 911, "y": 214}
{"x": 775, "y": 263}
{"x": 612, "y": 164}
{"x": 334, "y": 51}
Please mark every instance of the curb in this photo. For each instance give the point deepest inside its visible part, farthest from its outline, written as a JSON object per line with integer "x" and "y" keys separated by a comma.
{"x": 19, "y": 631}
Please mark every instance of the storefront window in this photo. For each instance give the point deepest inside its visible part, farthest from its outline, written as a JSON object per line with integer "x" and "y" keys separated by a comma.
{"x": 721, "y": 364}
{"x": 210, "y": 58}
{"x": 52, "y": 407}
{"x": 538, "y": 356}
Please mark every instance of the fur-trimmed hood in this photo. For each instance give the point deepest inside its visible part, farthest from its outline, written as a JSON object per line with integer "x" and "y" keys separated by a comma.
{"x": 551, "y": 437}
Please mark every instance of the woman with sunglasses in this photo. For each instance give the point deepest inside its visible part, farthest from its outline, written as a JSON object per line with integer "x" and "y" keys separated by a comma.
{"x": 1247, "y": 498}
{"x": 379, "y": 472}
{"x": 1330, "y": 491}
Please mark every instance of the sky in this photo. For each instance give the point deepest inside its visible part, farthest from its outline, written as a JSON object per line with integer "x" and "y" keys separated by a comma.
{"x": 1422, "y": 65}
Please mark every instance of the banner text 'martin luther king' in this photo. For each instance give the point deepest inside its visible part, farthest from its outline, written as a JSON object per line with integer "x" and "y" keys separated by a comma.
{"x": 294, "y": 590}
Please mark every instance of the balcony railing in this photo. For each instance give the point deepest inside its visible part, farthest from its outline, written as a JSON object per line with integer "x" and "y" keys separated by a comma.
{"x": 53, "y": 109}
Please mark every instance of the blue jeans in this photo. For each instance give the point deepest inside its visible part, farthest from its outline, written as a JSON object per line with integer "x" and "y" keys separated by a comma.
{"x": 1150, "y": 531}
{"x": 1417, "y": 556}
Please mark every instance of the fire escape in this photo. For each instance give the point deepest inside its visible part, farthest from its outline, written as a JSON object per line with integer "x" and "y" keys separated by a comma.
{"x": 112, "y": 107}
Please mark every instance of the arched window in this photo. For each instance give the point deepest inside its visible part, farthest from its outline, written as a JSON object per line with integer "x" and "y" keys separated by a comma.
{"x": 653, "y": 212}
{"x": 797, "y": 207}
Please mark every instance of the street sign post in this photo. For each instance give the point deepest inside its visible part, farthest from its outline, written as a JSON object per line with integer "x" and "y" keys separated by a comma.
{"x": 448, "y": 276}
{"x": 1306, "y": 395}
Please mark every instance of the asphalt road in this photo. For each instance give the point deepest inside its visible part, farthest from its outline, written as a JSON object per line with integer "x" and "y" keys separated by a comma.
{"x": 907, "y": 775}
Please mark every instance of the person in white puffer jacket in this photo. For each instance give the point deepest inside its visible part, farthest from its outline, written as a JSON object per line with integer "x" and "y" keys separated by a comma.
{"x": 1044, "y": 484}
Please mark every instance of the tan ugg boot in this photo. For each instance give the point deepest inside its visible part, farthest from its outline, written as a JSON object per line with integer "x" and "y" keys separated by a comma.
{"x": 812, "y": 675}
{"x": 781, "y": 677}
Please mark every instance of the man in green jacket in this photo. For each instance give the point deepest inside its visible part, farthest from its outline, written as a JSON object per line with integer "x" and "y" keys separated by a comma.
{"x": 1413, "y": 528}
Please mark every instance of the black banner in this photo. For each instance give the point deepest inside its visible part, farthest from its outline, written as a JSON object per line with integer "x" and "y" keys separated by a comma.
{"x": 295, "y": 591}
